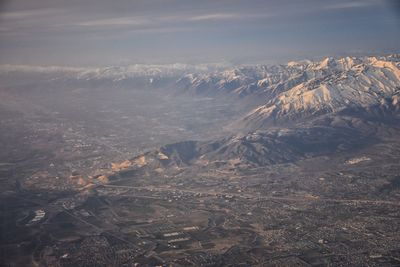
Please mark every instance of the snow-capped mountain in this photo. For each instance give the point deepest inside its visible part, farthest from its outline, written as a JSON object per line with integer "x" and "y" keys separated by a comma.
{"x": 306, "y": 89}
{"x": 284, "y": 93}
{"x": 318, "y": 107}
{"x": 241, "y": 81}
{"x": 333, "y": 85}
{"x": 272, "y": 80}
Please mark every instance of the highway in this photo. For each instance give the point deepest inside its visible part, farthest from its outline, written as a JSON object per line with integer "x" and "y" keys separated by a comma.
{"x": 257, "y": 198}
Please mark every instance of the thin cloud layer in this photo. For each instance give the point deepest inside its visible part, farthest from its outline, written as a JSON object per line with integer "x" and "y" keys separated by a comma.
{"x": 155, "y": 31}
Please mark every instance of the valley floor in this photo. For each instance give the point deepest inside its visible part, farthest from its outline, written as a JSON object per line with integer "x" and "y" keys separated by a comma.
{"x": 335, "y": 211}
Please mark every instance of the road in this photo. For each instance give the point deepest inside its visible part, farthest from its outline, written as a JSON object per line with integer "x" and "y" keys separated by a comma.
{"x": 253, "y": 197}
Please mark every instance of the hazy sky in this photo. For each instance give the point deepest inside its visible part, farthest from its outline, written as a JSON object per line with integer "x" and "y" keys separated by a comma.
{"x": 105, "y": 32}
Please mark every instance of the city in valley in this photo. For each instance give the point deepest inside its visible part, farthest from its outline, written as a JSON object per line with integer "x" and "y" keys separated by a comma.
{"x": 275, "y": 141}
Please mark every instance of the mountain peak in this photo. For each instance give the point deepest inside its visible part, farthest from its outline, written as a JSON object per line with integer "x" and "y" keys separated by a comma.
{"x": 345, "y": 83}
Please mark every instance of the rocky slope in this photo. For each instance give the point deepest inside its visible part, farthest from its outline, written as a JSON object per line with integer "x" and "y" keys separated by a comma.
{"x": 304, "y": 90}
{"x": 307, "y": 108}
{"x": 283, "y": 93}
{"x": 333, "y": 86}
{"x": 254, "y": 149}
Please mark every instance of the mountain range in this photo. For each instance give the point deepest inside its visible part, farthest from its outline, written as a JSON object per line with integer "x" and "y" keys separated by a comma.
{"x": 297, "y": 110}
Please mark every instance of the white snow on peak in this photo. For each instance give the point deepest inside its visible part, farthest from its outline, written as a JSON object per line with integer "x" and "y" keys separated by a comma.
{"x": 333, "y": 84}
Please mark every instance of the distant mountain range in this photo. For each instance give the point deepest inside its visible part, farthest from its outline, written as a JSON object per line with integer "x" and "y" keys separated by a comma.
{"x": 303, "y": 108}
{"x": 303, "y": 90}
{"x": 297, "y": 89}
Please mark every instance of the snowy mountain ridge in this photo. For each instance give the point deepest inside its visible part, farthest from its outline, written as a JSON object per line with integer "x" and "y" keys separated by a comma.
{"x": 333, "y": 85}
{"x": 299, "y": 89}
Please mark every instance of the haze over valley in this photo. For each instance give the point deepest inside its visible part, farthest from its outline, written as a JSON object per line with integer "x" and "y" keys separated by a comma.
{"x": 245, "y": 162}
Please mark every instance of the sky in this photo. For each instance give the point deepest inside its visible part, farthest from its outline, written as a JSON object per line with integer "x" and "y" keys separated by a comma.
{"x": 119, "y": 32}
